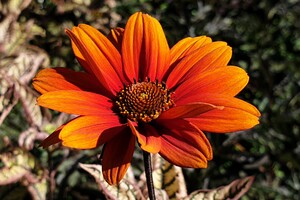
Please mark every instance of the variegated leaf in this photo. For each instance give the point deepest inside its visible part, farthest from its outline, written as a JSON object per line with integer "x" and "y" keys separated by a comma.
{"x": 27, "y": 138}
{"x": 168, "y": 177}
{"x": 19, "y": 166}
{"x": 233, "y": 191}
{"x": 7, "y": 98}
{"x": 15, "y": 6}
{"x": 126, "y": 190}
{"x": 38, "y": 190}
{"x": 16, "y": 165}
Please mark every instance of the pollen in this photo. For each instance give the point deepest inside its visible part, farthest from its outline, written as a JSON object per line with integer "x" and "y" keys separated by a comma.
{"x": 144, "y": 101}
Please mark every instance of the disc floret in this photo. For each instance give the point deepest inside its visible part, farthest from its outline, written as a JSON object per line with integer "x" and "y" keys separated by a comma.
{"x": 144, "y": 101}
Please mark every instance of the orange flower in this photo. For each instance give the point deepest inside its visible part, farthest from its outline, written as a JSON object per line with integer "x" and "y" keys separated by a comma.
{"x": 136, "y": 87}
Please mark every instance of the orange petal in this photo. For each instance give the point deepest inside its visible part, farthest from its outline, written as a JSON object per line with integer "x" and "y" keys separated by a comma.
{"x": 210, "y": 56}
{"x": 183, "y": 144}
{"x": 221, "y": 100}
{"x": 76, "y": 102}
{"x": 237, "y": 115}
{"x": 116, "y": 157}
{"x": 186, "y": 46}
{"x": 224, "y": 80}
{"x": 116, "y": 37}
{"x": 88, "y": 132}
{"x": 145, "y": 50}
{"x": 108, "y": 51}
{"x": 147, "y": 136}
{"x": 102, "y": 58}
{"x": 230, "y": 120}
{"x": 53, "y": 79}
{"x": 188, "y": 110}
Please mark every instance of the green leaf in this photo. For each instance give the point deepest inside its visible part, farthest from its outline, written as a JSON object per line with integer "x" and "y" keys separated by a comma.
{"x": 19, "y": 166}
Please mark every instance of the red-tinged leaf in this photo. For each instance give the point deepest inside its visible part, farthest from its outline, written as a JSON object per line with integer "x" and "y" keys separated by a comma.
{"x": 9, "y": 175}
{"x": 16, "y": 6}
{"x": 7, "y": 98}
{"x": 38, "y": 190}
{"x": 33, "y": 113}
{"x": 15, "y": 74}
{"x": 234, "y": 191}
{"x": 127, "y": 189}
{"x": 28, "y": 137}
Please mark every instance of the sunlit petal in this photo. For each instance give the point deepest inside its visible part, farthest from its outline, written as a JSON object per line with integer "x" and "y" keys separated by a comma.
{"x": 224, "y": 80}
{"x": 88, "y": 132}
{"x": 112, "y": 69}
{"x": 76, "y": 102}
{"x": 210, "y": 56}
{"x": 186, "y": 46}
{"x": 187, "y": 110}
{"x": 237, "y": 114}
{"x": 145, "y": 50}
{"x": 100, "y": 61}
{"x": 53, "y": 79}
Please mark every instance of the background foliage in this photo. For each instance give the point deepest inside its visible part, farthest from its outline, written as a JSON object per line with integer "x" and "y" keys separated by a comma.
{"x": 264, "y": 35}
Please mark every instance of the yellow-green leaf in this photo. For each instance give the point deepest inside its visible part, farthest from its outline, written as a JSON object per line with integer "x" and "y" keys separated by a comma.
{"x": 16, "y": 165}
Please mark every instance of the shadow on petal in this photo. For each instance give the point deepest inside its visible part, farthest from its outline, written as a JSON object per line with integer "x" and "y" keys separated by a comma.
{"x": 183, "y": 144}
{"x": 147, "y": 136}
{"x": 116, "y": 157}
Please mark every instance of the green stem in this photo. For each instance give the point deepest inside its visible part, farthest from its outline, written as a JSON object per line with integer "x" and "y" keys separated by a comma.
{"x": 148, "y": 171}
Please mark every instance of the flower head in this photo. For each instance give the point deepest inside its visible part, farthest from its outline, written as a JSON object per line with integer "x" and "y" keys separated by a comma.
{"x": 136, "y": 88}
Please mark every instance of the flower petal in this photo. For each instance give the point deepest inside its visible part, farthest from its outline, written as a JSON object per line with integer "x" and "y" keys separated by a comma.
{"x": 108, "y": 52}
{"x": 187, "y": 111}
{"x": 186, "y": 46}
{"x": 52, "y": 138}
{"x": 183, "y": 144}
{"x": 145, "y": 50}
{"x": 116, "y": 37}
{"x": 221, "y": 100}
{"x": 147, "y": 136}
{"x": 224, "y": 80}
{"x": 76, "y": 102}
{"x": 88, "y": 132}
{"x": 53, "y": 79}
{"x": 237, "y": 114}
{"x": 102, "y": 59}
{"x": 210, "y": 56}
{"x": 116, "y": 157}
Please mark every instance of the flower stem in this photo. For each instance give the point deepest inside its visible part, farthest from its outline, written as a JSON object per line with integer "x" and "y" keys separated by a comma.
{"x": 148, "y": 171}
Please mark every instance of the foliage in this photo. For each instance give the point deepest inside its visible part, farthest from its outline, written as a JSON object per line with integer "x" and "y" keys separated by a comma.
{"x": 265, "y": 39}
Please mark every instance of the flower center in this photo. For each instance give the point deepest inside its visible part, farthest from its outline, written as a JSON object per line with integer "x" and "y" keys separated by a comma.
{"x": 144, "y": 101}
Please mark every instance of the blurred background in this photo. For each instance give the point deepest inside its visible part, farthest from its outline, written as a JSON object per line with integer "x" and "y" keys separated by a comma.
{"x": 264, "y": 35}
